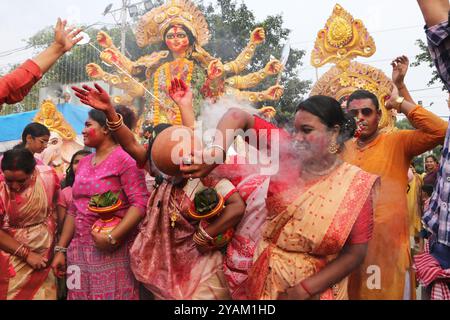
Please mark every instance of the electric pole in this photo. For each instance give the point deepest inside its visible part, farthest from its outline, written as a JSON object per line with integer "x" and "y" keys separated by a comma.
{"x": 124, "y": 25}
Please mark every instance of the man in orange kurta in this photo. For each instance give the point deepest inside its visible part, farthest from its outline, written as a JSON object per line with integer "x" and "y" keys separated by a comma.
{"x": 386, "y": 271}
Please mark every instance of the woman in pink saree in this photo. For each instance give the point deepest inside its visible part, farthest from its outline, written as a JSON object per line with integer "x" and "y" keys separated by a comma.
{"x": 103, "y": 260}
{"x": 27, "y": 227}
{"x": 319, "y": 208}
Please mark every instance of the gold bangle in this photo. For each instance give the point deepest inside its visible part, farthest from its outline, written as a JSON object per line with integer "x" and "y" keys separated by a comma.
{"x": 204, "y": 233}
{"x": 113, "y": 123}
{"x": 201, "y": 241}
{"x": 18, "y": 249}
{"x": 114, "y": 126}
{"x": 399, "y": 102}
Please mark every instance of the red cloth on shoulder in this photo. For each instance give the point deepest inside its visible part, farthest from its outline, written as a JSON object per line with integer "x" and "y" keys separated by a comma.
{"x": 363, "y": 227}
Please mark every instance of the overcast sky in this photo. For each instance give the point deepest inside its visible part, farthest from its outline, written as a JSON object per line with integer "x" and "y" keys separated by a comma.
{"x": 394, "y": 25}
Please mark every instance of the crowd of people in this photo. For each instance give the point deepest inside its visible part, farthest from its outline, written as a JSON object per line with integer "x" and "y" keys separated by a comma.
{"x": 346, "y": 216}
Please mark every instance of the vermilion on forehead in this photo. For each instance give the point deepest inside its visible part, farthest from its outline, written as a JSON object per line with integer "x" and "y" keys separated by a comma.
{"x": 361, "y": 103}
{"x": 176, "y": 29}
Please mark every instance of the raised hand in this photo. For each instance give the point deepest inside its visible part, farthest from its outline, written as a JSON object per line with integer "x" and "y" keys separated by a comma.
{"x": 104, "y": 40}
{"x": 400, "y": 67}
{"x": 66, "y": 39}
{"x": 390, "y": 103}
{"x": 273, "y": 67}
{"x": 181, "y": 94}
{"x": 274, "y": 93}
{"x": 94, "y": 71}
{"x": 258, "y": 36}
{"x": 96, "y": 98}
{"x": 215, "y": 69}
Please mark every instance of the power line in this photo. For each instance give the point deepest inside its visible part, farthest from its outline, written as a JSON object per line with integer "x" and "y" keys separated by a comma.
{"x": 425, "y": 89}
{"x": 13, "y": 51}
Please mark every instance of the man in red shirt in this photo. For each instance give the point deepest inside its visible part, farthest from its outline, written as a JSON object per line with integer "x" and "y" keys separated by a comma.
{"x": 15, "y": 86}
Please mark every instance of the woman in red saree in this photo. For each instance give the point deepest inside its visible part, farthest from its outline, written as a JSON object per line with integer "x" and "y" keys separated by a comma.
{"x": 27, "y": 228}
{"x": 165, "y": 256}
{"x": 319, "y": 217}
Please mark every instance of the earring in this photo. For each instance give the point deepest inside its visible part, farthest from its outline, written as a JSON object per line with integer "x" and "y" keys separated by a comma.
{"x": 333, "y": 148}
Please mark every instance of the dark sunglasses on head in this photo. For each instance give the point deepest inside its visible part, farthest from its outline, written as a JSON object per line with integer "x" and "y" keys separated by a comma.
{"x": 367, "y": 112}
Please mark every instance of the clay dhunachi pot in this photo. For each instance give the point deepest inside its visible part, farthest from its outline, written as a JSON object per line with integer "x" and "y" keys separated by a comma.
{"x": 108, "y": 221}
{"x": 173, "y": 145}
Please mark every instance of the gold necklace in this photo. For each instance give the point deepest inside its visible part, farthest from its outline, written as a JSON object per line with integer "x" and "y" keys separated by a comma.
{"x": 174, "y": 215}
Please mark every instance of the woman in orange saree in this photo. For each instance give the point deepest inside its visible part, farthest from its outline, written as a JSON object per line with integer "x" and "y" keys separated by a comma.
{"x": 319, "y": 208}
{"x": 27, "y": 228}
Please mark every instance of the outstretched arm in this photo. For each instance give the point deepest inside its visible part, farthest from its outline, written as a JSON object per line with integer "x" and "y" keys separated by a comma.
{"x": 234, "y": 119}
{"x": 257, "y": 37}
{"x": 15, "y": 86}
{"x": 253, "y": 79}
{"x": 430, "y": 129}
{"x": 99, "y": 99}
{"x": 65, "y": 40}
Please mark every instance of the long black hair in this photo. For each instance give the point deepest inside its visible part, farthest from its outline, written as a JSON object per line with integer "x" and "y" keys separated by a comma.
{"x": 70, "y": 174}
{"x": 129, "y": 117}
{"x": 35, "y": 130}
{"x": 18, "y": 159}
{"x": 330, "y": 113}
{"x": 154, "y": 132}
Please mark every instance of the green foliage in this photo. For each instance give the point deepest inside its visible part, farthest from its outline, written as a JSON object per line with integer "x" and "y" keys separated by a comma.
{"x": 425, "y": 58}
{"x": 104, "y": 200}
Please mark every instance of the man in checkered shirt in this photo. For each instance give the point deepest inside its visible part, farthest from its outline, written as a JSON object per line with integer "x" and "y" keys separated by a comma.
{"x": 436, "y": 259}
{"x": 437, "y": 29}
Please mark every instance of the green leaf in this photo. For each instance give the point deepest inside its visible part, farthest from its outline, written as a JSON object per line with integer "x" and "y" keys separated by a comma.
{"x": 206, "y": 200}
{"x": 104, "y": 200}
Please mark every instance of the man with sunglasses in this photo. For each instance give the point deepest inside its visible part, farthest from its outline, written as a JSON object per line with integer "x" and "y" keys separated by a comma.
{"x": 386, "y": 272}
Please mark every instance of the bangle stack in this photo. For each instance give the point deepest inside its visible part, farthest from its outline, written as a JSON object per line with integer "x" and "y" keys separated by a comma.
{"x": 60, "y": 249}
{"x": 202, "y": 238}
{"x": 114, "y": 126}
{"x": 22, "y": 252}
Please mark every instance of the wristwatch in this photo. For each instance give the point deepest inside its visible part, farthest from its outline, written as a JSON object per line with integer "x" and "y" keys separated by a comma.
{"x": 111, "y": 240}
{"x": 399, "y": 102}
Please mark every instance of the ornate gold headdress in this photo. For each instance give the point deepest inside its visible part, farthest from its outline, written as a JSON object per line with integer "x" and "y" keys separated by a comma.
{"x": 342, "y": 40}
{"x": 50, "y": 117}
{"x": 153, "y": 24}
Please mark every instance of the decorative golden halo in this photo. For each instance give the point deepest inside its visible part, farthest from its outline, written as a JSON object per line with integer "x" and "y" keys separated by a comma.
{"x": 153, "y": 24}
